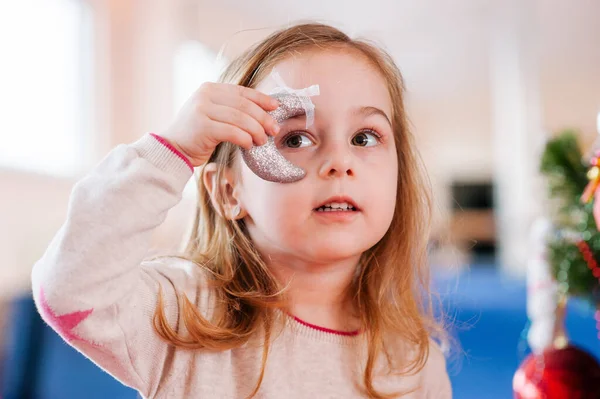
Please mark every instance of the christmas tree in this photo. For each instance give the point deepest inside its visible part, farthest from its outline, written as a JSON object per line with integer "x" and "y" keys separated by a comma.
{"x": 574, "y": 245}
{"x": 563, "y": 265}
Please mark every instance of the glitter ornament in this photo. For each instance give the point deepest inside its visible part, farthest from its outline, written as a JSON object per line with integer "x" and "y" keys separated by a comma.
{"x": 266, "y": 161}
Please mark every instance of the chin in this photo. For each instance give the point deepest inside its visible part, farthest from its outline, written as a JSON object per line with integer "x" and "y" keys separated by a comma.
{"x": 331, "y": 252}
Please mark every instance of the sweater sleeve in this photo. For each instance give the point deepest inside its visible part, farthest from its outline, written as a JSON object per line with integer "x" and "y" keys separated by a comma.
{"x": 92, "y": 285}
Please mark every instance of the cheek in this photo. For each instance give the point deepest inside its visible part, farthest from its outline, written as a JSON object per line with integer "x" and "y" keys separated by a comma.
{"x": 382, "y": 185}
{"x": 270, "y": 204}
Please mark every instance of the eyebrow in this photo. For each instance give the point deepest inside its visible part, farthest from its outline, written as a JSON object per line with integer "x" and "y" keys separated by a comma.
{"x": 368, "y": 111}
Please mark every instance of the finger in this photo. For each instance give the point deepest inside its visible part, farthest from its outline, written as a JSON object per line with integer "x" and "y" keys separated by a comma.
{"x": 263, "y": 100}
{"x": 243, "y": 104}
{"x": 237, "y": 118}
{"x": 232, "y": 134}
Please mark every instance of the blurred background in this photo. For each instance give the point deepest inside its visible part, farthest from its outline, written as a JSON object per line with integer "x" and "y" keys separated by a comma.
{"x": 488, "y": 82}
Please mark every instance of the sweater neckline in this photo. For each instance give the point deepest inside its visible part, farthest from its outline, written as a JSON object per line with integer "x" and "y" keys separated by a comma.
{"x": 320, "y": 333}
{"x": 325, "y": 329}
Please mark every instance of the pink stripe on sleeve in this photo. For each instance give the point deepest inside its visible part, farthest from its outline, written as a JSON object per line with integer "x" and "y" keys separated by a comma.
{"x": 173, "y": 150}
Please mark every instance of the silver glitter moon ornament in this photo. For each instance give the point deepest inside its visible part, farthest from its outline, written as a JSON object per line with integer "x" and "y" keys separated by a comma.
{"x": 265, "y": 160}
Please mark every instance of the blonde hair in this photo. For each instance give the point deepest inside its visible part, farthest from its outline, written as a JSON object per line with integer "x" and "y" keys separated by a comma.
{"x": 391, "y": 292}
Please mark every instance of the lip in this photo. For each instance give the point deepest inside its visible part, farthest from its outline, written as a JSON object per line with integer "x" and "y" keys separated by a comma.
{"x": 335, "y": 217}
{"x": 339, "y": 199}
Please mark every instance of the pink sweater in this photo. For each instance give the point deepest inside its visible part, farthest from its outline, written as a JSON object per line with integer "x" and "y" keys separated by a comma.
{"x": 95, "y": 289}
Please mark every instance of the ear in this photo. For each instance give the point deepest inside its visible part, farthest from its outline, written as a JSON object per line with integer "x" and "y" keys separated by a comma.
{"x": 227, "y": 186}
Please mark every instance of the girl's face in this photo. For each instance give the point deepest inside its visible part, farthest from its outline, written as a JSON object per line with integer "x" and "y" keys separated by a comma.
{"x": 349, "y": 156}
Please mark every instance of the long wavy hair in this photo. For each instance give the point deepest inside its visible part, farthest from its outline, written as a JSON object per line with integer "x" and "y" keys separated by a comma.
{"x": 391, "y": 292}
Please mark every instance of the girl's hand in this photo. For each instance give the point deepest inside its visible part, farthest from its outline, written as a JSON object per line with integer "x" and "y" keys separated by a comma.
{"x": 219, "y": 112}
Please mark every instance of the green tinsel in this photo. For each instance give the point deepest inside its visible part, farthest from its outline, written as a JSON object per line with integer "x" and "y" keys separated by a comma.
{"x": 566, "y": 172}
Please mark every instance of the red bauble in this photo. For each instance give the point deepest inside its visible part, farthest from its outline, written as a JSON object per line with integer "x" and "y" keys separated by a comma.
{"x": 569, "y": 373}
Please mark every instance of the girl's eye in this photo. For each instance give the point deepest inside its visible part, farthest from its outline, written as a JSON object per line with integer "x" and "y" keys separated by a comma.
{"x": 365, "y": 139}
{"x": 297, "y": 140}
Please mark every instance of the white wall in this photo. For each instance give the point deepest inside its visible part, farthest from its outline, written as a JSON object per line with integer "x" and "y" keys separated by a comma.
{"x": 133, "y": 95}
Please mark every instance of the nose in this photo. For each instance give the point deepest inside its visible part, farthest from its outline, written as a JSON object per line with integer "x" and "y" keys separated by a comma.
{"x": 337, "y": 161}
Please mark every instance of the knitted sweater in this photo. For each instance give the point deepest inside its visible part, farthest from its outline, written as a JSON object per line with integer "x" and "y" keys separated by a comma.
{"x": 94, "y": 287}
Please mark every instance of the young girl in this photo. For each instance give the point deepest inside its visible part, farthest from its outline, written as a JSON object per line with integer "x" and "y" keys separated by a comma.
{"x": 316, "y": 288}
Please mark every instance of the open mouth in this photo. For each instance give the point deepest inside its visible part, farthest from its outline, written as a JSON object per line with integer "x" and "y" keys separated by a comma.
{"x": 338, "y": 205}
